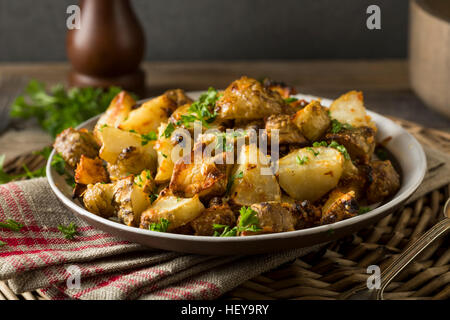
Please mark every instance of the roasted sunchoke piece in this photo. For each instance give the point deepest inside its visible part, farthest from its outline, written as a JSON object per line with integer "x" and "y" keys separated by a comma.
{"x": 126, "y": 152}
{"x": 246, "y": 98}
{"x": 282, "y": 88}
{"x": 118, "y": 111}
{"x": 205, "y": 176}
{"x": 130, "y": 201}
{"x": 98, "y": 199}
{"x": 145, "y": 182}
{"x": 349, "y": 109}
{"x": 288, "y": 132}
{"x": 130, "y": 161}
{"x": 71, "y": 144}
{"x": 359, "y": 142}
{"x": 273, "y": 217}
{"x": 306, "y": 215}
{"x": 313, "y": 120}
{"x": 309, "y": 173}
{"x": 149, "y": 115}
{"x": 339, "y": 206}
{"x": 177, "y": 211}
{"x": 252, "y": 178}
{"x": 90, "y": 171}
{"x": 178, "y": 96}
{"x": 217, "y": 214}
{"x": 383, "y": 181}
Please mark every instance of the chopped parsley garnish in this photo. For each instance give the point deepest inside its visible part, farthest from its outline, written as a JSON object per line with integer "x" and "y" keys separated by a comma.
{"x": 2, "y": 244}
{"x": 11, "y": 225}
{"x": 168, "y": 131}
{"x": 363, "y": 210}
{"x": 248, "y": 221}
{"x": 239, "y": 175}
{"x": 59, "y": 165}
{"x": 161, "y": 226}
{"x": 164, "y": 155}
{"x": 302, "y": 160}
{"x": 69, "y": 231}
{"x": 337, "y": 126}
{"x": 335, "y": 145}
{"x": 290, "y": 99}
{"x": 202, "y": 110}
{"x": 146, "y": 138}
{"x": 153, "y": 197}
{"x": 316, "y": 153}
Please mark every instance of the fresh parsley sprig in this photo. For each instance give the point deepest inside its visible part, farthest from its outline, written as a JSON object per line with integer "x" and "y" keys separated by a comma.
{"x": 146, "y": 138}
{"x": 248, "y": 222}
{"x": 11, "y": 225}
{"x": 337, "y": 126}
{"x": 239, "y": 175}
{"x": 202, "y": 110}
{"x": 69, "y": 231}
{"x": 160, "y": 226}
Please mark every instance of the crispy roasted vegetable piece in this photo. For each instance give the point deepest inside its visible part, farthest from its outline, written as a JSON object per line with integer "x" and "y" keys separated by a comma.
{"x": 178, "y": 211}
{"x": 309, "y": 173}
{"x": 246, "y": 98}
{"x": 130, "y": 201}
{"x": 90, "y": 171}
{"x": 349, "y": 108}
{"x": 283, "y": 89}
{"x": 313, "y": 120}
{"x": 383, "y": 181}
{"x": 98, "y": 199}
{"x": 359, "y": 142}
{"x": 203, "y": 177}
{"x": 339, "y": 206}
{"x": 149, "y": 116}
{"x": 289, "y": 133}
{"x": 118, "y": 110}
{"x": 126, "y": 153}
{"x": 306, "y": 214}
{"x": 167, "y": 141}
{"x": 71, "y": 144}
{"x": 273, "y": 217}
{"x": 218, "y": 214}
{"x": 178, "y": 96}
{"x": 145, "y": 182}
{"x": 252, "y": 179}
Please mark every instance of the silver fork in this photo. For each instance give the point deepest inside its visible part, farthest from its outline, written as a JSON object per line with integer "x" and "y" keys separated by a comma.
{"x": 414, "y": 249}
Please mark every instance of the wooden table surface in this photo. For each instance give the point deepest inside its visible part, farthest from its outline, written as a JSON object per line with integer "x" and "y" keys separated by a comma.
{"x": 384, "y": 83}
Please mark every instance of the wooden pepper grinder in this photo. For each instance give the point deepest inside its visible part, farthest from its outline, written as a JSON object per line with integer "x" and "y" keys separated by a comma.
{"x": 108, "y": 47}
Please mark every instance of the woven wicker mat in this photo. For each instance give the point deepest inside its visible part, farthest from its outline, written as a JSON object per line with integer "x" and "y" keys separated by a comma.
{"x": 342, "y": 264}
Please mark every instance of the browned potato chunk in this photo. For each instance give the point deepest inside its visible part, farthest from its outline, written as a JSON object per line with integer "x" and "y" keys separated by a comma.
{"x": 130, "y": 201}
{"x": 149, "y": 115}
{"x": 71, "y": 144}
{"x": 273, "y": 217}
{"x": 118, "y": 110}
{"x": 178, "y": 96}
{"x": 288, "y": 131}
{"x": 306, "y": 214}
{"x": 339, "y": 206}
{"x": 203, "y": 177}
{"x": 359, "y": 142}
{"x": 98, "y": 199}
{"x": 145, "y": 181}
{"x": 90, "y": 171}
{"x": 383, "y": 181}
{"x": 246, "y": 98}
{"x": 283, "y": 89}
{"x": 130, "y": 161}
{"x": 312, "y": 120}
{"x": 219, "y": 214}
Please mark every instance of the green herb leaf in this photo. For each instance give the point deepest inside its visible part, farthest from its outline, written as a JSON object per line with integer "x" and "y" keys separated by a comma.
{"x": 60, "y": 109}
{"x": 320, "y": 144}
{"x": 2, "y": 243}
{"x": 69, "y": 231}
{"x": 381, "y": 154}
{"x": 316, "y": 153}
{"x": 337, "y": 126}
{"x": 290, "y": 99}
{"x": 239, "y": 175}
{"x": 226, "y": 231}
{"x": 153, "y": 197}
{"x": 161, "y": 226}
{"x": 146, "y": 138}
{"x": 340, "y": 148}
{"x": 363, "y": 210}
{"x": 168, "y": 131}
{"x": 202, "y": 109}
{"x": 11, "y": 225}
{"x": 302, "y": 160}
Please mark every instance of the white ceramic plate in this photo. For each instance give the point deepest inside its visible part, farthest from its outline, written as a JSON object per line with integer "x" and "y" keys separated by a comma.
{"x": 403, "y": 146}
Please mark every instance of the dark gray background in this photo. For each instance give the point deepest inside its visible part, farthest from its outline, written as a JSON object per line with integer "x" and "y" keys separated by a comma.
{"x": 33, "y": 30}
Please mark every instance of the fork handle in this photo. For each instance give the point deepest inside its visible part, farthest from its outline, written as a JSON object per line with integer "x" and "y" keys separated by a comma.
{"x": 411, "y": 252}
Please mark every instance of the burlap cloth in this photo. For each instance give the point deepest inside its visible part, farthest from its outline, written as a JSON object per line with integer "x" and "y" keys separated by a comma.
{"x": 38, "y": 256}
